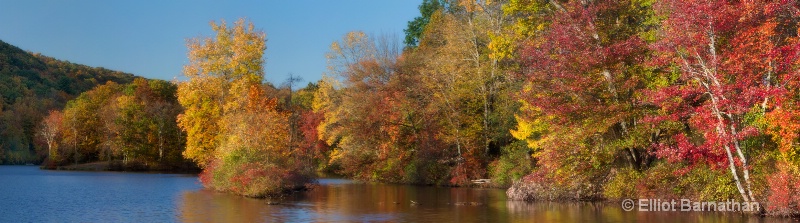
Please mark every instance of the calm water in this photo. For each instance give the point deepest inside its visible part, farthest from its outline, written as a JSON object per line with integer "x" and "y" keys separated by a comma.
{"x": 28, "y": 194}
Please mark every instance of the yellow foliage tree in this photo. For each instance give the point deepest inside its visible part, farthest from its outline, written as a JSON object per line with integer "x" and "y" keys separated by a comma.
{"x": 221, "y": 71}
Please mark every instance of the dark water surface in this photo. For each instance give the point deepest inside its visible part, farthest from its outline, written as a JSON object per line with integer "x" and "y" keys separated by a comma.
{"x": 28, "y": 194}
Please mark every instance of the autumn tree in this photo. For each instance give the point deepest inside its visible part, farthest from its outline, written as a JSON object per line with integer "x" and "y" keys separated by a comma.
{"x": 449, "y": 77}
{"x": 50, "y": 132}
{"x": 731, "y": 60}
{"x": 234, "y": 131}
{"x": 308, "y": 142}
{"x": 582, "y": 61}
{"x": 83, "y": 127}
{"x": 357, "y": 106}
{"x": 435, "y": 113}
{"x": 133, "y": 122}
{"x": 311, "y": 144}
{"x": 145, "y": 123}
{"x": 220, "y": 71}
{"x": 469, "y": 82}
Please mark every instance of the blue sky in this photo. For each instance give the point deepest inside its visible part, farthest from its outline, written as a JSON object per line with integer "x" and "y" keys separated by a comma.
{"x": 147, "y": 38}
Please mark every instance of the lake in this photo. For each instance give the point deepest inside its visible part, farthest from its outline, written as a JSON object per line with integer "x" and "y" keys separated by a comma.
{"x": 28, "y": 194}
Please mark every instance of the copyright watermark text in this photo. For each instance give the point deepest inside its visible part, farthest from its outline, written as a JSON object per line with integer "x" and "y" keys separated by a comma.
{"x": 688, "y": 205}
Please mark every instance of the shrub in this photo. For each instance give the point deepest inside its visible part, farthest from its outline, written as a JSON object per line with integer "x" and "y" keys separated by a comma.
{"x": 784, "y": 191}
{"x": 704, "y": 183}
{"x": 621, "y": 184}
{"x": 247, "y": 174}
{"x": 675, "y": 180}
{"x": 514, "y": 163}
{"x": 545, "y": 184}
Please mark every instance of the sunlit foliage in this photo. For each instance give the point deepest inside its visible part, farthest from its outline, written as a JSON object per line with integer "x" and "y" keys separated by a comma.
{"x": 234, "y": 130}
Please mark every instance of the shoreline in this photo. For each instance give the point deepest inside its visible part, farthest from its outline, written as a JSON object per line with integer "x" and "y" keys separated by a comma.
{"x": 116, "y": 166}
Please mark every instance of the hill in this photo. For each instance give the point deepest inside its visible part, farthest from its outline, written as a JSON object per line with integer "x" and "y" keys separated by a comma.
{"x": 32, "y": 84}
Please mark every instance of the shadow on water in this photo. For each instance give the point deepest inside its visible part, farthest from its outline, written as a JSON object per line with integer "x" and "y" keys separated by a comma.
{"x": 348, "y": 201}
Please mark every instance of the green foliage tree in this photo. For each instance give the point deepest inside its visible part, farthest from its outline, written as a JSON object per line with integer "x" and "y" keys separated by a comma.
{"x": 83, "y": 125}
{"x": 416, "y": 27}
{"x": 147, "y": 129}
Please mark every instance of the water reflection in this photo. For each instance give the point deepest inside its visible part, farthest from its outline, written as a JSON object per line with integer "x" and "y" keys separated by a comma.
{"x": 346, "y": 201}
{"x": 29, "y": 194}
{"x": 609, "y": 212}
{"x": 209, "y": 206}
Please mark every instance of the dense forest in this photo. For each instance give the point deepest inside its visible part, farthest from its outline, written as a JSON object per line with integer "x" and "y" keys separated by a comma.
{"x": 556, "y": 99}
{"x": 124, "y": 126}
{"x": 31, "y": 85}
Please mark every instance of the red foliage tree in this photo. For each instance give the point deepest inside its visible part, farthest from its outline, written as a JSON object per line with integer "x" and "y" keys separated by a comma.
{"x": 584, "y": 77}
{"x": 727, "y": 57}
{"x": 311, "y": 146}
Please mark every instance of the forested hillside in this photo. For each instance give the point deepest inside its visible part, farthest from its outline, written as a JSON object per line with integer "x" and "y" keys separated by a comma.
{"x": 31, "y": 85}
